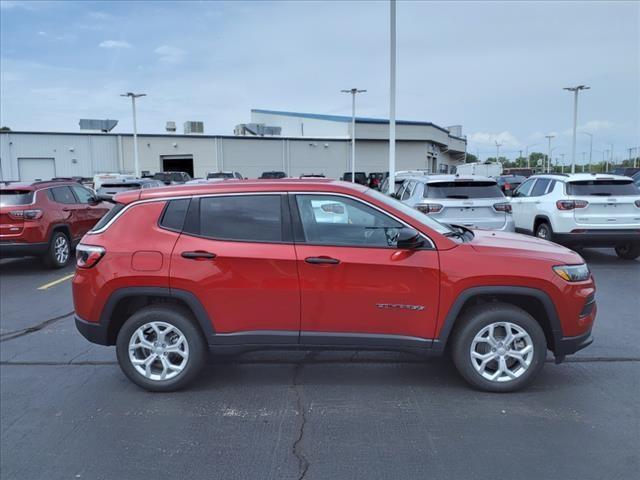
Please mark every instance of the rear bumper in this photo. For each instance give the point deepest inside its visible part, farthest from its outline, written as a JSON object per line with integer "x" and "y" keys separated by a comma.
{"x": 14, "y": 250}
{"x": 570, "y": 345}
{"x": 94, "y": 332}
{"x": 598, "y": 238}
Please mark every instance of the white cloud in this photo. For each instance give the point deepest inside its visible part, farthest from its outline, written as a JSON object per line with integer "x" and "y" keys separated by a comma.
{"x": 42, "y": 34}
{"x": 114, "y": 44}
{"x": 169, "y": 54}
{"x": 507, "y": 139}
{"x": 591, "y": 126}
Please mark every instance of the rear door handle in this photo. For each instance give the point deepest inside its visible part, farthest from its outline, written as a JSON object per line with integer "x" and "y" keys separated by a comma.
{"x": 322, "y": 260}
{"x": 198, "y": 255}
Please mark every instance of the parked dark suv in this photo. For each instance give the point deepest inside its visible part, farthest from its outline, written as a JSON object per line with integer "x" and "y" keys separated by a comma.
{"x": 320, "y": 264}
{"x": 46, "y": 219}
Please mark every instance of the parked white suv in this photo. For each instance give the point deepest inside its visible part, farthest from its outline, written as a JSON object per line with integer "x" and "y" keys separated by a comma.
{"x": 469, "y": 200}
{"x": 581, "y": 210}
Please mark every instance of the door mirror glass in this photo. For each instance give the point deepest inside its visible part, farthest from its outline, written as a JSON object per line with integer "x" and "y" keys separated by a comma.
{"x": 409, "y": 239}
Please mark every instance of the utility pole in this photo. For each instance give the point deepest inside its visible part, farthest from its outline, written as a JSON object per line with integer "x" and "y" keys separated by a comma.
{"x": 584, "y": 161}
{"x": 549, "y": 137}
{"x": 392, "y": 96}
{"x": 575, "y": 91}
{"x": 353, "y": 92}
{"x": 136, "y": 164}
{"x": 562, "y": 163}
{"x": 498, "y": 145}
{"x": 519, "y": 157}
{"x": 590, "y": 147}
{"x": 527, "y": 153}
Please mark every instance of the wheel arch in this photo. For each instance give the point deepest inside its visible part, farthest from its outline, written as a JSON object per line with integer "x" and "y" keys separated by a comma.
{"x": 541, "y": 219}
{"x": 124, "y": 302}
{"x": 60, "y": 227}
{"x": 532, "y": 300}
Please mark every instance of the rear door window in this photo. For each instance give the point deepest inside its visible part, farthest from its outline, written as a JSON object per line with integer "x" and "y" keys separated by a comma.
{"x": 248, "y": 218}
{"x": 525, "y": 188}
{"x": 604, "y": 188}
{"x": 540, "y": 187}
{"x": 63, "y": 195}
{"x": 408, "y": 190}
{"x": 15, "y": 197}
{"x": 462, "y": 189}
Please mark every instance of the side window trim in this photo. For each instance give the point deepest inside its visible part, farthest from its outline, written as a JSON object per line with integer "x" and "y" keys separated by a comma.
{"x": 298, "y": 230}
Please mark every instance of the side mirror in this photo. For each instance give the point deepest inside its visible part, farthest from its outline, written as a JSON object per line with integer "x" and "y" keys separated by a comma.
{"x": 94, "y": 200}
{"x": 409, "y": 239}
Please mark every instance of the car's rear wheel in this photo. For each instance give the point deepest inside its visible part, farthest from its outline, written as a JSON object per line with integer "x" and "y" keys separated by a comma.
{"x": 628, "y": 251}
{"x": 59, "y": 252}
{"x": 498, "y": 347}
{"x": 160, "y": 349}
{"x": 544, "y": 231}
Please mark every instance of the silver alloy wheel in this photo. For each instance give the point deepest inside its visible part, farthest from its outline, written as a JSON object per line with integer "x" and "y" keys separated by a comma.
{"x": 158, "y": 351}
{"x": 61, "y": 249}
{"x": 501, "y": 352}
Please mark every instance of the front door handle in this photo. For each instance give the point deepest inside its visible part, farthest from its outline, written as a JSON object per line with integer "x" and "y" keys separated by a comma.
{"x": 322, "y": 260}
{"x": 198, "y": 255}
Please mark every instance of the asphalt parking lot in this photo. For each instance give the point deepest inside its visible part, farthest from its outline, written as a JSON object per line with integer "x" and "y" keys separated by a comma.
{"x": 68, "y": 412}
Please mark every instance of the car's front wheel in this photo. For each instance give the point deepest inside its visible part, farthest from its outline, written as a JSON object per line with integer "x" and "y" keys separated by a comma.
{"x": 544, "y": 231}
{"x": 498, "y": 347}
{"x": 628, "y": 251}
{"x": 160, "y": 349}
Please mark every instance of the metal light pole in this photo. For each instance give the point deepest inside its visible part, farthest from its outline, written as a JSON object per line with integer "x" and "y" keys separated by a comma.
{"x": 575, "y": 90}
{"x": 498, "y": 145}
{"x": 392, "y": 96}
{"x": 562, "y": 164}
{"x": 136, "y": 164}
{"x": 590, "y": 148}
{"x": 527, "y": 153}
{"x": 353, "y": 92}
{"x": 548, "y": 137}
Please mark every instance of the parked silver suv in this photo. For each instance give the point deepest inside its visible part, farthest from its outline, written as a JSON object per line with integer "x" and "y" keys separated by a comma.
{"x": 468, "y": 200}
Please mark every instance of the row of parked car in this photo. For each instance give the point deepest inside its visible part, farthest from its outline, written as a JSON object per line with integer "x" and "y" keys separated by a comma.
{"x": 577, "y": 210}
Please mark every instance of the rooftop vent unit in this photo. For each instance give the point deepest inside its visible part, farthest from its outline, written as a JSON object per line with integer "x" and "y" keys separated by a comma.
{"x": 455, "y": 130}
{"x": 170, "y": 127}
{"x": 256, "y": 129}
{"x": 102, "y": 125}
{"x": 193, "y": 127}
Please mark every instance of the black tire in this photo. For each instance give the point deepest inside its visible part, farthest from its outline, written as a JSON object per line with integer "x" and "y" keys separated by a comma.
{"x": 473, "y": 321}
{"x": 544, "y": 231}
{"x": 628, "y": 251}
{"x": 181, "y": 319}
{"x": 52, "y": 259}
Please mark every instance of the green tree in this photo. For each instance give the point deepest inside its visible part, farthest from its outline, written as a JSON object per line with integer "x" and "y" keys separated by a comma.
{"x": 471, "y": 158}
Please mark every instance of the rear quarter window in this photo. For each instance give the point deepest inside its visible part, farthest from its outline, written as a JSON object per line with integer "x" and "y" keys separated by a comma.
{"x": 15, "y": 197}
{"x": 463, "y": 190}
{"x": 174, "y": 214}
{"x": 117, "y": 208}
{"x": 604, "y": 188}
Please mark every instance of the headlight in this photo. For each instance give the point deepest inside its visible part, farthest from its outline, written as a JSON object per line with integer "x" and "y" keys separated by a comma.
{"x": 573, "y": 273}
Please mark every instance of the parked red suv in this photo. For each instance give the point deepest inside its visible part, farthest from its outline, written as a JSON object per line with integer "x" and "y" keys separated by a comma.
{"x": 320, "y": 264}
{"x": 46, "y": 219}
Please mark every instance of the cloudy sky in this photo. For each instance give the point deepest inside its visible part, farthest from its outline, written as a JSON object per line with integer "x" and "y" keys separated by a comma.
{"x": 497, "y": 68}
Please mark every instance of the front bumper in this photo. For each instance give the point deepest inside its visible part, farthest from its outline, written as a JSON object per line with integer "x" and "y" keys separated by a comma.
{"x": 598, "y": 238}
{"x": 15, "y": 250}
{"x": 570, "y": 345}
{"x": 94, "y": 332}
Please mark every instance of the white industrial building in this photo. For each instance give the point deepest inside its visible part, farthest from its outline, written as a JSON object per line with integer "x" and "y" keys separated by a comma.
{"x": 297, "y": 143}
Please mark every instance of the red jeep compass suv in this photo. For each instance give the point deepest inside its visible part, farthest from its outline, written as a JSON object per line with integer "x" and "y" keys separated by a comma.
{"x": 46, "y": 219}
{"x": 320, "y": 264}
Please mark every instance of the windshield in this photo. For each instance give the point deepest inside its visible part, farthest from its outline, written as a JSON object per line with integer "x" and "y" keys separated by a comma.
{"x": 220, "y": 175}
{"x": 411, "y": 212}
{"x": 472, "y": 189}
{"x": 15, "y": 197}
{"x": 603, "y": 188}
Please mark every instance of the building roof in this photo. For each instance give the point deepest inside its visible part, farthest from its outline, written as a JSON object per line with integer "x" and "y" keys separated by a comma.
{"x": 347, "y": 119}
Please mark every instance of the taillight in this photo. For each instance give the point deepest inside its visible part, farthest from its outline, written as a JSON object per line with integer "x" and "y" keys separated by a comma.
{"x": 502, "y": 207}
{"x": 26, "y": 214}
{"x": 571, "y": 204}
{"x": 88, "y": 255}
{"x": 429, "y": 208}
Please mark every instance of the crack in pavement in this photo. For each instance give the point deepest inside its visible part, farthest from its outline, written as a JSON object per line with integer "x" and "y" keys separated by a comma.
{"x": 26, "y": 331}
{"x": 303, "y": 462}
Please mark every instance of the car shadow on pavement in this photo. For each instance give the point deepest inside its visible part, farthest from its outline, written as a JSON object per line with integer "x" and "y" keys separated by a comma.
{"x": 605, "y": 257}
{"x": 26, "y": 266}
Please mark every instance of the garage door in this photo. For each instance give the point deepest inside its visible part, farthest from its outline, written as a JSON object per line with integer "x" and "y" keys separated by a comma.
{"x": 36, "y": 169}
